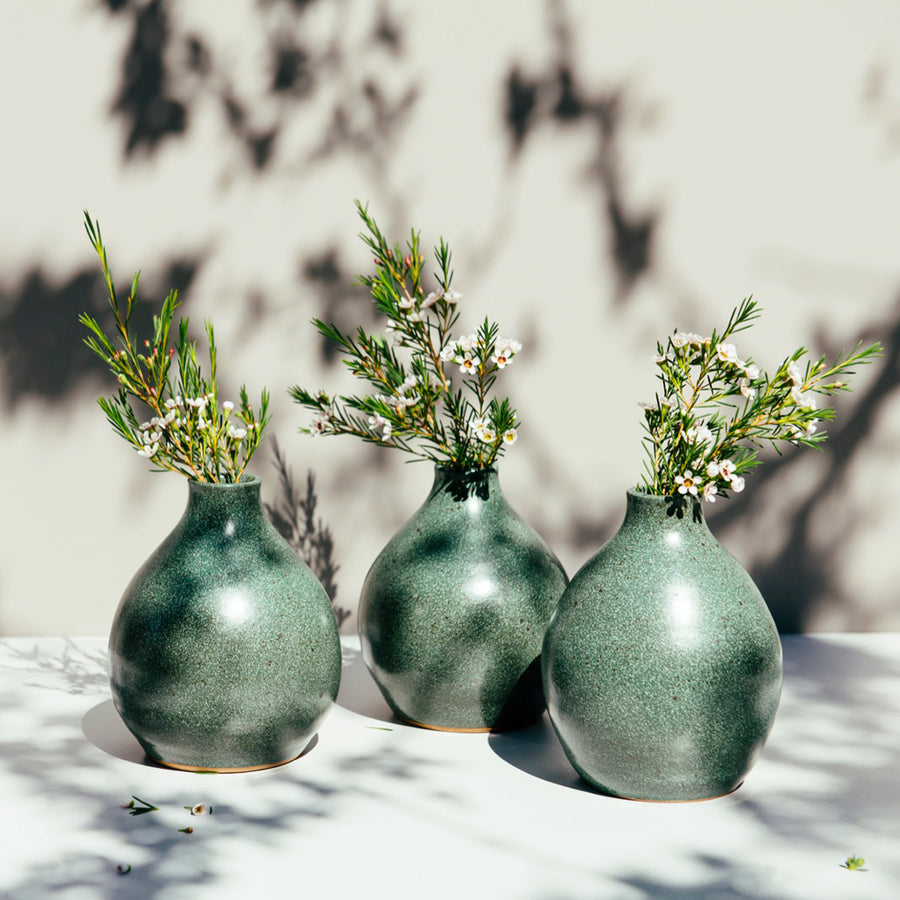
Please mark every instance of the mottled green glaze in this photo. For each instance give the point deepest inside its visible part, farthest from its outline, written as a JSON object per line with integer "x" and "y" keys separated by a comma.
{"x": 662, "y": 665}
{"x": 224, "y": 651}
{"x": 453, "y": 611}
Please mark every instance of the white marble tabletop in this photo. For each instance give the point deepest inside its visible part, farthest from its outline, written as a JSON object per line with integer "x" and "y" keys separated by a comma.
{"x": 383, "y": 810}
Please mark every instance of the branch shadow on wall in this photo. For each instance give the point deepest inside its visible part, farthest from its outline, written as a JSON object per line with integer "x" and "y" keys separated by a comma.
{"x": 804, "y": 568}
{"x": 42, "y": 354}
{"x": 559, "y": 97}
{"x": 169, "y": 70}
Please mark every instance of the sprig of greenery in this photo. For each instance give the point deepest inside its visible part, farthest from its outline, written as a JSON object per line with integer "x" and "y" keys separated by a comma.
{"x": 854, "y": 864}
{"x": 715, "y": 410}
{"x": 138, "y": 807}
{"x": 417, "y": 406}
{"x": 187, "y": 430}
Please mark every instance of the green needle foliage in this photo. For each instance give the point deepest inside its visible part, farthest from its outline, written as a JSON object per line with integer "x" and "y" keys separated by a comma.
{"x": 715, "y": 410}
{"x": 187, "y": 431}
{"x": 417, "y": 405}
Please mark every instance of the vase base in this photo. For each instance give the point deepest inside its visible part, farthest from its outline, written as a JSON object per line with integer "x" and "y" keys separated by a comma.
{"x": 224, "y": 770}
{"x": 691, "y": 800}
{"x": 482, "y": 730}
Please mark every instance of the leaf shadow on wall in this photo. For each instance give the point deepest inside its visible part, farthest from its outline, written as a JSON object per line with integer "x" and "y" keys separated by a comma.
{"x": 559, "y": 98}
{"x": 806, "y": 567}
{"x": 169, "y": 70}
{"x": 42, "y": 353}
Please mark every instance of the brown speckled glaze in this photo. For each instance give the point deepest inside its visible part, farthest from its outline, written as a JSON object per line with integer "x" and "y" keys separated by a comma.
{"x": 662, "y": 665}
{"x": 224, "y": 652}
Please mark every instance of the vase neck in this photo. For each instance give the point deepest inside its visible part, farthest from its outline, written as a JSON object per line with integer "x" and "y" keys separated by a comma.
{"x": 464, "y": 485}
{"x": 668, "y": 513}
{"x": 229, "y": 508}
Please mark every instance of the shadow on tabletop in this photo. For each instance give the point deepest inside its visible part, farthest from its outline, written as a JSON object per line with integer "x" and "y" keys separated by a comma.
{"x": 104, "y": 728}
{"x": 359, "y": 693}
{"x": 48, "y": 756}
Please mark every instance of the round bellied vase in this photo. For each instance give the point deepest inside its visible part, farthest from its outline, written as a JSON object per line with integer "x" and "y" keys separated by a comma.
{"x": 224, "y": 652}
{"x": 453, "y": 611}
{"x": 662, "y": 664}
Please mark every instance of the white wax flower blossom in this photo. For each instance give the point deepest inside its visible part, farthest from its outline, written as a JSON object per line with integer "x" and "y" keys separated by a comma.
{"x": 805, "y": 399}
{"x": 657, "y": 358}
{"x": 452, "y": 296}
{"x": 812, "y": 427}
{"x": 679, "y": 339}
{"x": 699, "y": 434}
{"x": 392, "y": 329}
{"x": 794, "y": 373}
{"x": 709, "y": 491}
{"x": 747, "y": 389}
{"x": 148, "y": 451}
{"x": 737, "y": 484}
{"x": 431, "y": 298}
{"x": 237, "y": 434}
{"x": 487, "y": 434}
{"x": 510, "y": 436}
{"x": 228, "y": 406}
{"x": 320, "y": 424}
{"x": 477, "y": 423}
{"x": 406, "y": 302}
{"x": 448, "y": 353}
{"x": 713, "y": 469}
{"x": 504, "y": 352}
{"x": 686, "y": 483}
{"x": 380, "y": 427}
{"x": 727, "y": 352}
{"x": 752, "y": 371}
{"x": 726, "y": 469}
{"x": 468, "y": 365}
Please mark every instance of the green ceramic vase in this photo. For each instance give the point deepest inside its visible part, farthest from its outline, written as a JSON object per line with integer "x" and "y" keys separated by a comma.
{"x": 662, "y": 665}
{"x": 453, "y": 610}
{"x": 224, "y": 653}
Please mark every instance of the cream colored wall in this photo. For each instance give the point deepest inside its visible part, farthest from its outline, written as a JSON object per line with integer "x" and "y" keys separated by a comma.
{"x": 757, "y": 144}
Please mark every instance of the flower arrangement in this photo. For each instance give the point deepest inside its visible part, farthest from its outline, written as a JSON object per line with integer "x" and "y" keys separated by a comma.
{"x": 188, "y": 431}
{"x": 715, "y": 409}
{"x": 417, "y": 406}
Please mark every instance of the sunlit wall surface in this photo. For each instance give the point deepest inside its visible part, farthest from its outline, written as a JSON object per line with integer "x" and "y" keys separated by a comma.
{"x": 605, "y": 172}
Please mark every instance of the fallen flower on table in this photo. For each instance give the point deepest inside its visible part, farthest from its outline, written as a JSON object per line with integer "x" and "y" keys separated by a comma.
{"x": 201, "y": 809}
{"x": 187, "y": 830}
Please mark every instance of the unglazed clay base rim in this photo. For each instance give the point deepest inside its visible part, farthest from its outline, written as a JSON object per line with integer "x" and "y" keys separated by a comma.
{"x": 230, "y": 770}
{"x": 482, "y": 730}
{"x": 446, "y": 727}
